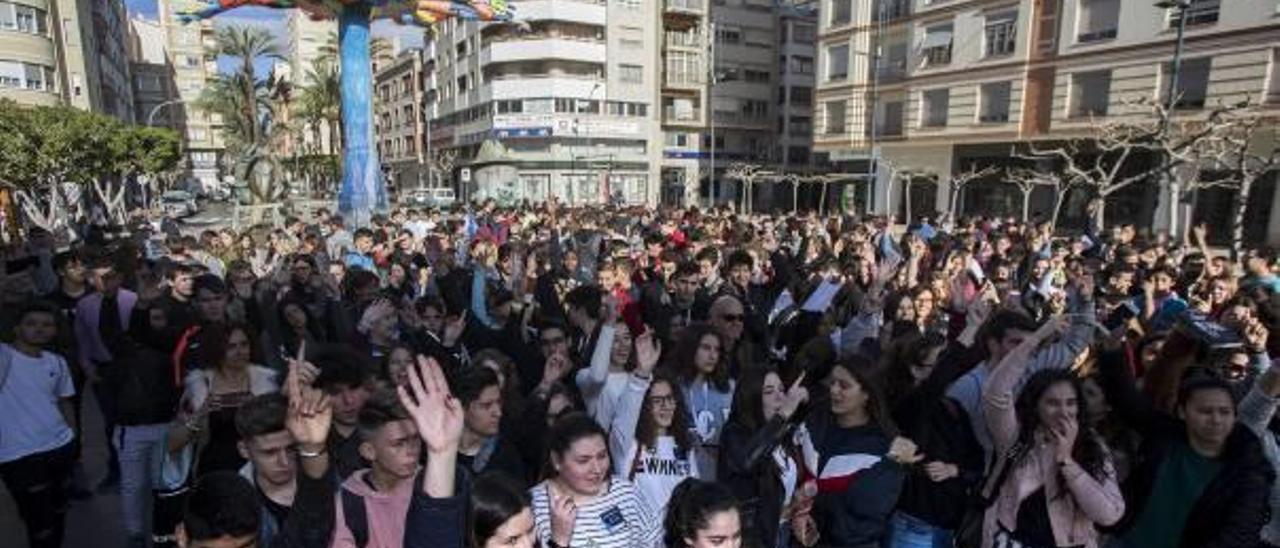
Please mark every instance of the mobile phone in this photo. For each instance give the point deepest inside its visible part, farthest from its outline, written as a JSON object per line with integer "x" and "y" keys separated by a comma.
{"x": 1121, "y": 314}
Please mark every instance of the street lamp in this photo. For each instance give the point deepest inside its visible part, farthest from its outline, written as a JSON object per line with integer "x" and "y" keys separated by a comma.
{"x": 1170, "y": 101}
{"x": 577, "y": 128}
{"x": 152, "y": 115}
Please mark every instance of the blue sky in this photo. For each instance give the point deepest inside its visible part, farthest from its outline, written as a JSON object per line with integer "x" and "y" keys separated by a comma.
{"x": 273, "y": 20}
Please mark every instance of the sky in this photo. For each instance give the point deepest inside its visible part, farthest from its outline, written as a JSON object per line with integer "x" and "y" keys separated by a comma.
{"x": 274, "y": 21}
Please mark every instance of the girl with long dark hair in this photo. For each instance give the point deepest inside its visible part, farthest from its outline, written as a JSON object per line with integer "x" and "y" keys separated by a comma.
{"x": 1061, "y": 482}
{"x": 766, "y": 454}
{"x": 659, "y": 452}
{"x": 861, "y": 461}
{"x": 703, "y": 374}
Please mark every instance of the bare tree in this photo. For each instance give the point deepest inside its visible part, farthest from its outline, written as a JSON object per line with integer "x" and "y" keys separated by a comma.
{"x": 1234, "y": 158}
{"x": 442, "y": 164}
{"x": 958, "y": 181}
{"x": 1029, "y": 179}
{"x": 906, "y": 178}
{"x": 749, "y": 174}
{"x": 794, "y": 179}
{"x": 1105, "y": 161}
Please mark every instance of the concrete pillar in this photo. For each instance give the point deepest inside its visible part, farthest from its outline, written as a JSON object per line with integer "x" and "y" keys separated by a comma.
{"x": 1273, "y": 220}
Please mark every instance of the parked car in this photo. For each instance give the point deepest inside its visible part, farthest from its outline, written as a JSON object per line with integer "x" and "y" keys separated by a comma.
{"x": 428, "y": 197}
{"x": 179, "y": 204}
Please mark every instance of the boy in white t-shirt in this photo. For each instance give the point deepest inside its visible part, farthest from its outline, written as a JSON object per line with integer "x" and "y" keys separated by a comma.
{"x": 37, "y": 436}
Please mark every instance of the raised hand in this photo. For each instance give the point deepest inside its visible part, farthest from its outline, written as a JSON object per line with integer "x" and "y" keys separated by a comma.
{"x": 437, "y": 414}
{"x": 1255, "y": 335}
{"x": 648, "y": 351}
{"x": 453, "y": 329}
{"x": 310, "y": 414}
{"x": 795, "y": 396}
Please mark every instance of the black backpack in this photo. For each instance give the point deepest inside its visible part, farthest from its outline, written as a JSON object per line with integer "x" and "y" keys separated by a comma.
{"x": 355, "y": 516}
{"x": 144, "y": 383}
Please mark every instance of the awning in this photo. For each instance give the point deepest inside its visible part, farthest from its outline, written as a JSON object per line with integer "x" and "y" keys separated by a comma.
{"x": 937, "y": 39}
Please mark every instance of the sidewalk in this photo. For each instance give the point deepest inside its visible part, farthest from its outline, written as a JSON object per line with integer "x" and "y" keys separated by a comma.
{"x": 92, "y": 523}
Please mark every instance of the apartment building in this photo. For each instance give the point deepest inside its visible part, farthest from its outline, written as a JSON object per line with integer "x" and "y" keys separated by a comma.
{"x": 594, "y": 101}
{"x": 69, "y": 52}
{"x": 306, "y": 38}
{"x": 154, "y": 80}
{"x": 945, "y": 85}
{"x": 797, "y": 34}
{"x": 561, "y": 102}
{"x": 400, "y": 120}
{"x": 188, "y": 48}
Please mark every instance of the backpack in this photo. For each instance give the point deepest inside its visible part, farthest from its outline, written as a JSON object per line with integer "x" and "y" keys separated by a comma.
{"x": 355, "y": 517}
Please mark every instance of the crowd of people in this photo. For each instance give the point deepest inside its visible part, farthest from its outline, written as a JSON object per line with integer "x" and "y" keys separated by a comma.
{"x": 609, "y": 378}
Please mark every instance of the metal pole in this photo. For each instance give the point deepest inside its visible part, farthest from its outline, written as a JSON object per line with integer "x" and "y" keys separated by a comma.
{"x": 712, "y": 186}
{"x": 1170, "y": 101}
{"x": 872, "y": 157}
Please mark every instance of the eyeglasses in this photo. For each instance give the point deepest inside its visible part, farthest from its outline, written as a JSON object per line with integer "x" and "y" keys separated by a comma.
{"x": 662, "y": 401}
{"x": 553, "y": 341}
{"x": 732, "y": 317}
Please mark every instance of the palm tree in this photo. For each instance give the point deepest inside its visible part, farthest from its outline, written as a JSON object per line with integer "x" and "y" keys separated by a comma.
{"x": 322, "y": 100}
{"x": 241, "y": 94}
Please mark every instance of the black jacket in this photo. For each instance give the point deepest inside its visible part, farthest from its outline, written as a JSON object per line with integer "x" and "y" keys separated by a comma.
{"x": 1233, "y": 508}
{"x": 745, "y": 465}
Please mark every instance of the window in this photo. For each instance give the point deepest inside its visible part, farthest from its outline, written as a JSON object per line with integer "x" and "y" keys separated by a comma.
{"x": 889, "y": 10}
{"x": 837, "y": 63}
{"x": 841, "y": 10}
{"x": 190, "y": 61}
{"x": 1273, "y": 78}
{"x": 11, "y": 74}
{"x": 1090, "y": 93}
{"x": 7, "y": 17}
{"x": 802, "y": 34}
{"x": 630, "y": 43}
{"x": 801, "y": 64}
{"x": 630, "y": 4}
{"x": 800, "y": 126}
{"x": 510, "y": 107}
{"x": 753, "y": 108}
{"x": 935, "y": 50}
{"x": 933, "y": 107}
{"x": 835, "y": 117}
{"x": 1199, "y": 12}
{"x": 28, "y": 19}
{"x": 676, "y": 139}
{"x": 1098, "y": 20}
{"x": 1193, "y": 83}
{"x": 462, "y": 83}
{"x": 995, "y": 102}
{"x": 891, "y": 121}
{"x": 728, "y": 35}
{"x": 631, "y": 74}
{"x": 801, "y": 96}
{"x": 755, "y": 76}
{"x": 1001, "y": 34}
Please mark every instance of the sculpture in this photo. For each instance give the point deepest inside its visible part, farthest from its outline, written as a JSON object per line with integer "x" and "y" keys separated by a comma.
{"x": 363, "y": 191}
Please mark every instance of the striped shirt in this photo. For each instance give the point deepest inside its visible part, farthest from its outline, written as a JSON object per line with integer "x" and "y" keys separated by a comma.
{"x": 615, "y": 519}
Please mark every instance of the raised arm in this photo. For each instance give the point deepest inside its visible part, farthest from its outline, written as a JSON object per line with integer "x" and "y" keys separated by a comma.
{"x": 998, "y": 394}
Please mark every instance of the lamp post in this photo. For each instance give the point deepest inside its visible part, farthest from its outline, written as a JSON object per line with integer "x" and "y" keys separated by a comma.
{"x": 712, "y": 187}
{"x": 151, "y": 117}
{"x": 1175, "y": 68}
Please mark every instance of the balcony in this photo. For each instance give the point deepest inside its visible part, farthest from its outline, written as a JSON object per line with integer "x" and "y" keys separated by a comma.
{"x": 592, "y": 13}
{"x": 683, "y": 79}
{"x": 519, "y": 86}
{"x": 673, "y": 116}
{"x": 680, "y": 6}
{"x": 542, "y": 49}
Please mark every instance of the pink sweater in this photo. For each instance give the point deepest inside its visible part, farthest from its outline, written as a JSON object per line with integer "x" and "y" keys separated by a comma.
{"x": 386, "y": 512}
{"x": 1073, "y": 513}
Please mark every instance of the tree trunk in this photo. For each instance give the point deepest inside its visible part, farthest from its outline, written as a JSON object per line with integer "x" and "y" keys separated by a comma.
{"x": 363, "y": 190}
{"x": 1058, "y": 200}
{"x": 822, "y": 200}
{"x": 1026, "y": 205}
{"x": 1241, "y": 206}
{"x": 906, "y": 193}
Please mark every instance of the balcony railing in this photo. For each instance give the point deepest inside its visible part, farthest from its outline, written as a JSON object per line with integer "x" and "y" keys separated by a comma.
{"x": 670, "y": 114}
{"x": 684, "y": 5}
